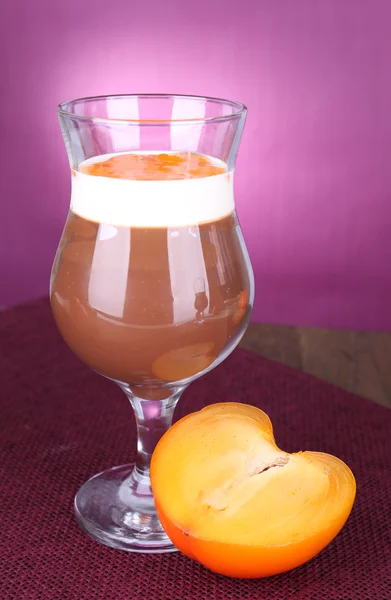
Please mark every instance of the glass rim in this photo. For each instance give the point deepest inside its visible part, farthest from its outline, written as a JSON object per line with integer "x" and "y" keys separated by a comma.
{"x": 238, "y": 110}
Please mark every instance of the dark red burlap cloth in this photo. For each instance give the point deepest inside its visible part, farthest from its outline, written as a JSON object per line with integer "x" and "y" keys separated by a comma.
{"x": 61, "y": 423}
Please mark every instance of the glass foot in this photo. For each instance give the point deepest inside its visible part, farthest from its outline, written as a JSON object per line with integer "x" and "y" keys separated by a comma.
{"x": 116, "y": 508}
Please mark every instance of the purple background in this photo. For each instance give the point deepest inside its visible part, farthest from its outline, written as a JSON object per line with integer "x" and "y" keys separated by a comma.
{"x": 313, "y": 185}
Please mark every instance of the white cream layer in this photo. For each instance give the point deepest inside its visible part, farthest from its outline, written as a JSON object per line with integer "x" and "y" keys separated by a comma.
{"x": 163, "y": 203}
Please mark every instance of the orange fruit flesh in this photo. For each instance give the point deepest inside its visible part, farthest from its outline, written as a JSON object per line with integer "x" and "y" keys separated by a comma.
{"x": 154, "y": 167}
{"x": 228, "y": 497}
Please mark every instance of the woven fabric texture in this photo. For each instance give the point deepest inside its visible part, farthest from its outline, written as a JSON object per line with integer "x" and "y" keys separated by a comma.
{"x": 60, "y": 423}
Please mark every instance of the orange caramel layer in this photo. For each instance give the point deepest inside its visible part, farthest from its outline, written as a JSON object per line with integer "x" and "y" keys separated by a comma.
{"x": 154, "y": 167}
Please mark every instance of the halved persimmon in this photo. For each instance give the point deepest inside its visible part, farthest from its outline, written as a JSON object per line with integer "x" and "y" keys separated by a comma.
{"x": 228, "y": 497}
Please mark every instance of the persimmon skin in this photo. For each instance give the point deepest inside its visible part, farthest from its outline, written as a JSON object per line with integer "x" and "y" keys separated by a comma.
{"x": 235, "y": 558}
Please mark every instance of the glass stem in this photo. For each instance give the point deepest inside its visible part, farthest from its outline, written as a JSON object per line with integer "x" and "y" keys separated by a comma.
{"x": 153, "y": 419}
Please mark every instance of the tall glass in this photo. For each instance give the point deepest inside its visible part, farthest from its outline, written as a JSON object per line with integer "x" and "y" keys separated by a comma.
{"x": 152, "y": 284}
